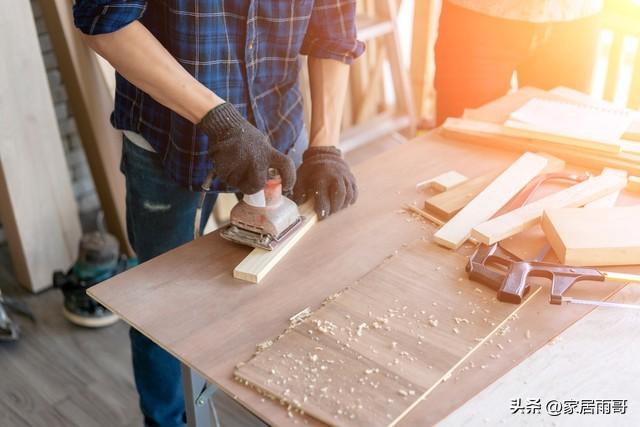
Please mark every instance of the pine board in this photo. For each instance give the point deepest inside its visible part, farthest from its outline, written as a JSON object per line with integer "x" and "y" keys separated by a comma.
{"x": 596, "y": 236}
{"x": 371, "y": 353}
{"x": 518, "y": 220}
{"x": 37, "y": 207}
{"x": 259, "y": 262}
{"x": 610, "y": 199}
{"x": 443, "y": 182}
{"x": 490, "y": 200}
{"x": 449, "y": 203}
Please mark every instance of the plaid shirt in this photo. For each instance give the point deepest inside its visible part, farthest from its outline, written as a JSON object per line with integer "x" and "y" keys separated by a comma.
{"x": 246, "y": 51}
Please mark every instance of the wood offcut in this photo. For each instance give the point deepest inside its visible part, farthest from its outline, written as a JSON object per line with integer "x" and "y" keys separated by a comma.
{"x": 597, "y": 236}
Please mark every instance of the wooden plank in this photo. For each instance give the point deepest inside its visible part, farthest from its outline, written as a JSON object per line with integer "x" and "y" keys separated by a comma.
{"x": 613, "y": 67}
{"x": 449, "y": 203}
{"x": 260, "y": 261}
{"x": 421, "y": 40}
{"x": 610, "y": 199}
{"x": 215, "y": 320}
{"x": 443, "y": 182}
{"x": 587, "y": 158}
{"x": 371, "y": 354}
{"x": 594, "y": 347}
{"x": 603, "y": 236}
{"x": 490, "y": 200}
{"x": 520, "y": 219}
{"x": 37, "y": 206}
{"x": 92, "y": 104}
{"x": 634, "y": 183}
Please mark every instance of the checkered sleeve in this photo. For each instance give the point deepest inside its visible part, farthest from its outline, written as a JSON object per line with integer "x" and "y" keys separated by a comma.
{"x": 332, "y": 31}
{"x": 106, "y": 16}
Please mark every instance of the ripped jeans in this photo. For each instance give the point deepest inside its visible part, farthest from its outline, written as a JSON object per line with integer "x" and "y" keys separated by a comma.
{"x": 160, "y": 215}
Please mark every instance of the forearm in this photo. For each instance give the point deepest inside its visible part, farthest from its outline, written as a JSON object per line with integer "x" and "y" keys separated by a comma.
{"x": 328, "y": 80}
{"x": 140, "y": 58}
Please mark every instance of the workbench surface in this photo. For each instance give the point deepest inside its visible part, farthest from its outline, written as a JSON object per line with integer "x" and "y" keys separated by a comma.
{"x": 188, "y": 302}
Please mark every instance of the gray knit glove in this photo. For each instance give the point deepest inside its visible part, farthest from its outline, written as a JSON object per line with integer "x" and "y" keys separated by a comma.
{"x": 325, "y": 175}
{"x": 241, "y": 153}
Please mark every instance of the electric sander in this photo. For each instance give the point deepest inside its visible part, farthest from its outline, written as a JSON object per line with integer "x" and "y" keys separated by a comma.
{"x": 264, "y": 219}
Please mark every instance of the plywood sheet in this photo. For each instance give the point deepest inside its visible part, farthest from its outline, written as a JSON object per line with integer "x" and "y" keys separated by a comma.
{"x": 596, "y": 236}
{"x": 37, "y": 207}
{"x": 370, "y": 354}
{"x": 188, "y": 302}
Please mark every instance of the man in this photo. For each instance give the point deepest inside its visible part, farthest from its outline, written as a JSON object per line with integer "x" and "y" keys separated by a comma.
{"x": 481, "y": 43}
{"x": 213, "y": 84}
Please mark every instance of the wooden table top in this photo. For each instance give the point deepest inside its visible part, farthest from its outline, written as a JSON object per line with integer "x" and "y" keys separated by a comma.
{"x": 188, "y": 302}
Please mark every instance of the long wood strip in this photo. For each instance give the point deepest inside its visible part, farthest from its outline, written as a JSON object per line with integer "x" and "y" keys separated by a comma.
{"x": 490, "y": 200}
{"x": 372, "y": 353}
{"x": 37, "y": 207}
{"x": 260, "y": 261}
{"x": 610, "y": 199}
{"x": 517, "y": 129}
{"x": 449, "y": 203}
{"x": 520, "y": 219}
{"x": 457, "y": 129}
{"x": 602, "y": 236}
{"x": 92, "y": 102}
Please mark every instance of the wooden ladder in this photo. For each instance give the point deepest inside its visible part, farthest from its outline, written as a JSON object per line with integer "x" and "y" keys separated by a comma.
{"x": 367, "y": 121}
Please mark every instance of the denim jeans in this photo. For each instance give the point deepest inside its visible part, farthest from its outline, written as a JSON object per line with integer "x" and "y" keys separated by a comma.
{"x": 160, "y": 216}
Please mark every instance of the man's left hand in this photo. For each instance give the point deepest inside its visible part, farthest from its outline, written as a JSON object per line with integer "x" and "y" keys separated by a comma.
{"x": 326, "y": 176}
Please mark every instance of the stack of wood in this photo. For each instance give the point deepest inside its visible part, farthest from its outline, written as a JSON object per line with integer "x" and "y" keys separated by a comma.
{"x": 494, "y": 125}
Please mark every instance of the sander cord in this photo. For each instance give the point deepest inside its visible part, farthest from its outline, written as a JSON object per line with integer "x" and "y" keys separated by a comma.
{"x": 206, "y": 186}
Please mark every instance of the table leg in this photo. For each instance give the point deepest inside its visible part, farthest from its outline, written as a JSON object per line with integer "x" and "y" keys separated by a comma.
{"x": 198, "y": 413}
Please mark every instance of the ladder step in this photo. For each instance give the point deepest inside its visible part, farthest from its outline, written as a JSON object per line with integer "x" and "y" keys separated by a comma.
{"x": 370, "y": 28}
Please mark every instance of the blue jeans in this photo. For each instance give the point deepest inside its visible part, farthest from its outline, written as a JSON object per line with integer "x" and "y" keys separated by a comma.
{"x": 160, "y": 215}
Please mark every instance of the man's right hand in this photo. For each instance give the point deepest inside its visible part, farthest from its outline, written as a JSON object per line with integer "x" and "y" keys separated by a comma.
{"x": 241, "y": 153}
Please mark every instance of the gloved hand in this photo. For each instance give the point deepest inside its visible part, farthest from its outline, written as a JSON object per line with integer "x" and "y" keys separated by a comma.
{"x": 325, "y": 175}
{"x": 241, "y": 153}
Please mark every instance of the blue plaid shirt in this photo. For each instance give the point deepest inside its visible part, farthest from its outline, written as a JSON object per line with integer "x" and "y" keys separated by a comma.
{"x": 246, "y": 51}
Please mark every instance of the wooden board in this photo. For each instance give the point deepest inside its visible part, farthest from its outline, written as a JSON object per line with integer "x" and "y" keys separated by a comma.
{"x": 490, "y": 200}
{"x": 260, "y": 261}
{"x": 449, "y": 203}
{"x": 597, "y": 236}
{"x": 610, "y": 199}
{"x": 92, "y": 103}
{"x": 443, "y": 182}
{"x": 188, "y": 302}
{"x": 369, "y": 355}
{"x": 483, "y": 134}
{"x": 518, "y": 220}
{"x": 37, "y": 208}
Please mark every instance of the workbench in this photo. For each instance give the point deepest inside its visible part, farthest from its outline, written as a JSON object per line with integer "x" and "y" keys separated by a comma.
{"x": 188, "y": 302}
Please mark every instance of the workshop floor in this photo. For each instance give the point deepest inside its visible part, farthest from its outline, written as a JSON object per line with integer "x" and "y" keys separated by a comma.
{"x": 59, "y": 375}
